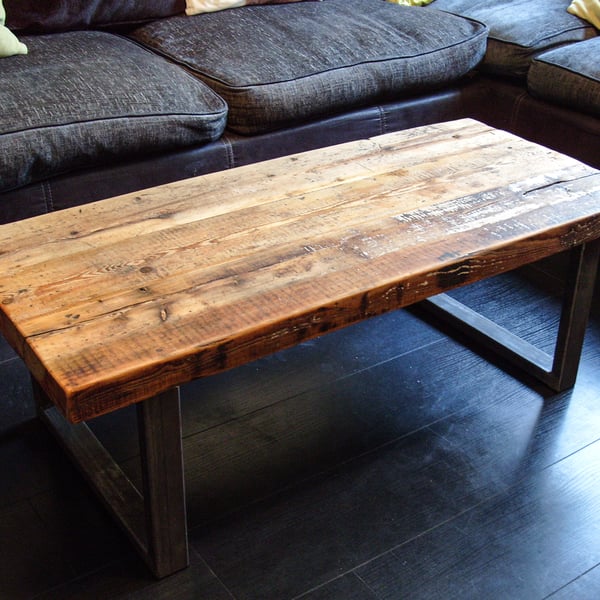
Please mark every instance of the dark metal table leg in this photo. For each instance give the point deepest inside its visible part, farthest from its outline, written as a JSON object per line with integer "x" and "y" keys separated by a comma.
{"x": 577, "y": 303}
{"x": 159, "y": 426}
{"x": 558, "y": 371}
{"x": 155, "y": 521}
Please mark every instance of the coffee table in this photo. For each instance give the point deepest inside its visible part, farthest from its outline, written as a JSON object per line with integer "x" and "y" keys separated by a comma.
{"x": 122, "y": 301}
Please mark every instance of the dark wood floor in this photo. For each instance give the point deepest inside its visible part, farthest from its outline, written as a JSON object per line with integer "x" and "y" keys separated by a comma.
{"x": 385, "y": 461}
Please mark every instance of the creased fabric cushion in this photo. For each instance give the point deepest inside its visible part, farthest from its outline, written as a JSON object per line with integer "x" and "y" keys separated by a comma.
{"x": 44, "y": 16}
{"x": 569, "y": 75}
{"x": 84, "y": 98}
{"x": 520, "y": 29}
{"x": 278, "y": 65}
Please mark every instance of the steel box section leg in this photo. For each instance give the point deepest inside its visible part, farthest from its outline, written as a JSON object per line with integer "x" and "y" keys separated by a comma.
{"x": 559, "y": 371}
{"x": 155, "y": 521}
{"x": 159, "y": 426}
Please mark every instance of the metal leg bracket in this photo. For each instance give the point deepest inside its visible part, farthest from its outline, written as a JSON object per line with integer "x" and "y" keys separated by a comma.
{"x": 154, "y": 519}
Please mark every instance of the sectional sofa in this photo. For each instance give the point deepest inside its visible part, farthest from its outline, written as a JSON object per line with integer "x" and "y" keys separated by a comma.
{"x": 116, "y": 95}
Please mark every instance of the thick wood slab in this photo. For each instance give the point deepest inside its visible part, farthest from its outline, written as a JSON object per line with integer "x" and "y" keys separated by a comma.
{"x": 116, "y": 301}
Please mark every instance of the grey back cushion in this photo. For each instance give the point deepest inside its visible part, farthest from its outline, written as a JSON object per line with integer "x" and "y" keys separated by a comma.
{"x": 520, "y": 29}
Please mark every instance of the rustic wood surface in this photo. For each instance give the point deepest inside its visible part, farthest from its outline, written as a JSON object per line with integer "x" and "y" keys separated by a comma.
{"x": 113, "y": 302}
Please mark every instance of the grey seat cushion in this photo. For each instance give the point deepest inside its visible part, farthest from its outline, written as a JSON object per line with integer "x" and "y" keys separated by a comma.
{"x": 82, "y": 98}
{"x": 569, "y": 75}
{"x": 520, "y": 29}
{"x": 280, "y": 64}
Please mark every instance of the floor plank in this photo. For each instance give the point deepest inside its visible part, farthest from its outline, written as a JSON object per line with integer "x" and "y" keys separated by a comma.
{"x": 584, "y": 587}
{"x": 526, "y": 542}
{"x": 129, "y": 578}
{"x": 348, "y": 587}
{"x": 30, "y": 563}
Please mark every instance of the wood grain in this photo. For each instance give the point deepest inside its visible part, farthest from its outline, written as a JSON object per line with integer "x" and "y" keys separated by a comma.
{"x": 113, "y": 302}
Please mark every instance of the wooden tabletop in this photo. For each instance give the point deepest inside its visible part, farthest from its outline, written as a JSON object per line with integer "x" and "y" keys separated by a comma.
{"x": 113, "y": 302}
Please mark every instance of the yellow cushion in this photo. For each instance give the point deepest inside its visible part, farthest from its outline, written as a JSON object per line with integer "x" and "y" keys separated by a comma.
{"x": 411, "y": 2}
{"x": 586, "y": 9}
{"x": 196, "y": 7}
{"x": 9, "y": 44}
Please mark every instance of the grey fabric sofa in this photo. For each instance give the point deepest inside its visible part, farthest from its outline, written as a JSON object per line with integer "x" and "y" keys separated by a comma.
{"x": 116, "y": 96}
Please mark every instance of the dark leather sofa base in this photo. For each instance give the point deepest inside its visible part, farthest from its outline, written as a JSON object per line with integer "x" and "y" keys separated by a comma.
{"x": 507, "y": 105}
{"x": 502, "y": 104}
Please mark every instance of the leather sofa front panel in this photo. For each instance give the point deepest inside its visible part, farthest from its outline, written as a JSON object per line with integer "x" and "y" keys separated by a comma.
{"x": 507, "y": 105}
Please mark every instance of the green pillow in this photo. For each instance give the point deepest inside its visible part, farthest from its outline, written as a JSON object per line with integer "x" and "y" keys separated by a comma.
{"x": 9, "y": 44}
